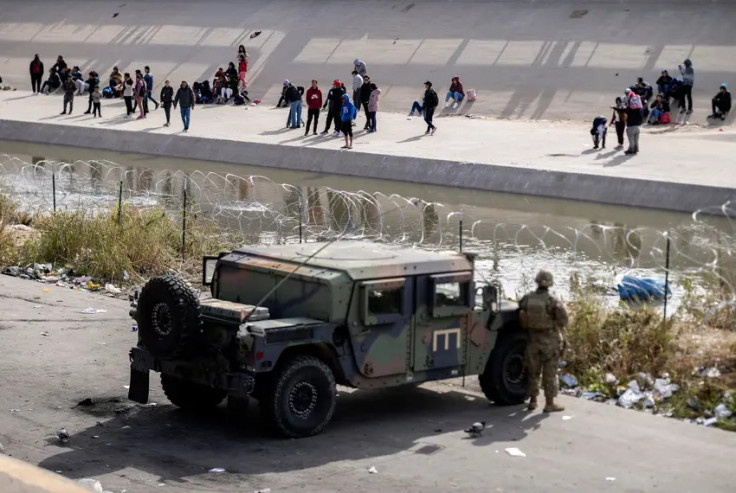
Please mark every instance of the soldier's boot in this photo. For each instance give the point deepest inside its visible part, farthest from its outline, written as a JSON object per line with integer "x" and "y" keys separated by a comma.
{"x": 532, "y": 404}
{"x": 551, "y": 407}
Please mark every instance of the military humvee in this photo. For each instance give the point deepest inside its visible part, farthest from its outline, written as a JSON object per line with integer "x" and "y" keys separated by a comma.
{"x": 286, "y": 324}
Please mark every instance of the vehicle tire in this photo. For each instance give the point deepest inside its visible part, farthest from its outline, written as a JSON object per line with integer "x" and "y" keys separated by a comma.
{"x": 191, "y": 396}
{"x": 302, "y": 399}
{"x": 504, "y": 379}
{"x": 168, "y": 316}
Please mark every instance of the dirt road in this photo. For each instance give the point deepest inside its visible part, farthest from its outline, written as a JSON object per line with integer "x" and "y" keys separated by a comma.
{"x": 54, "y": 356}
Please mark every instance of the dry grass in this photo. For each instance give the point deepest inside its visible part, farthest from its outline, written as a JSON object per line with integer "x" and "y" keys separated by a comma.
{"x": 146, "y": 243}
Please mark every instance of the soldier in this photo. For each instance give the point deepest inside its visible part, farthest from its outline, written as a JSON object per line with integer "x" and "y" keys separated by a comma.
{"x": 543, "y": 317}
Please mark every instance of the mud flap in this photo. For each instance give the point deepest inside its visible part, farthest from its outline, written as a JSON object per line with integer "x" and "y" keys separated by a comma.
{"x": 138, "y": 390}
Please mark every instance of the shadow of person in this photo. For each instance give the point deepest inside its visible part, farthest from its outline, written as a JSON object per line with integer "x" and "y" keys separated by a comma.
{"x": 280, "y": 131}
{"x": 590, "y": 151}
{"x": 181, "y": 447}
{"x": 19, "y": 97}
{"x": 618, "y": 160}
{"x": 606, "y": 154}
{"x": 413, "y": 139}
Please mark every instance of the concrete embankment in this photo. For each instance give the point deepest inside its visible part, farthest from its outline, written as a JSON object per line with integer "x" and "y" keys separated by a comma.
{"x": 680, "y": 173}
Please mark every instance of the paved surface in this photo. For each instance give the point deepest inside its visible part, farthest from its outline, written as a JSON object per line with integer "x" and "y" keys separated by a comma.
{"x": 412, "y": 436}
{"x": 687, "y": 154}
{"x": 527, "y": 59}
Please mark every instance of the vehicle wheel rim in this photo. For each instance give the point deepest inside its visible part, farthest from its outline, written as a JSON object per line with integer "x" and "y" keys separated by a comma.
{"x": 514, "y": 371}
{"x": 161, "y": 319}
{"x": 302, "y": 399}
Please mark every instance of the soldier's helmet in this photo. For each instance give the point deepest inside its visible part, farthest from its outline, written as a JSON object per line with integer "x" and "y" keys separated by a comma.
{"x": 544, "y": 279}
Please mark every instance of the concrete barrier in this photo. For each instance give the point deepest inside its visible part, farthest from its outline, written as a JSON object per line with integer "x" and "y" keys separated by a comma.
{"x": 614, "y": 190}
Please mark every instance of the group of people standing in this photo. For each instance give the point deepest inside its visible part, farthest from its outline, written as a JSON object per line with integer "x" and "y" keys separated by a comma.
{"x": 632, "y": 110}
{"x": 341, "y": 110}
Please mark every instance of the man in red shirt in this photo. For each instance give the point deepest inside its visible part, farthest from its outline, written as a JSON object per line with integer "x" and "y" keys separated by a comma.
{"x": 314, "y": 103}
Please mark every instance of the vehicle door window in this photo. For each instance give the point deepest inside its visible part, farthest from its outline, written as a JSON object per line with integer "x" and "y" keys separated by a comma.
{"x": 451, "y": 294}
{"x": 382, "y": 302}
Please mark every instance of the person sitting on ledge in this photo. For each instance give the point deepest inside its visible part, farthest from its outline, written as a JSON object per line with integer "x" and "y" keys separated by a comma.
{"x": 659, "y": 107}
{"x": 721, "y": 103}
{"x": 52, "y": 83}
{"x": 456, "y": 93}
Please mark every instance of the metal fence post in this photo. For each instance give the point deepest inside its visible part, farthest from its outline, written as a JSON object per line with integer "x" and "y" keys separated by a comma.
{"x": 461, "y": 232}
{"x": 120, "y": 204}
{"x": 184, "y": 221}
{"x": 666, "y": 277}
{"x": 53, "y": 186}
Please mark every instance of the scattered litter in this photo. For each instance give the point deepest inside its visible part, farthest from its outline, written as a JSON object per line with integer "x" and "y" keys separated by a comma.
{"x": 95, "y": 436}
{"x": 710, "y": 421}
{"x": 126, "y": 276}
{"x": 90, "y": 311}
{"x": 134, "y": 328}
{"x": 91, "y": 485}
{"x": 126, "y": 386}
{"x": 161, "y": 484}
{"x": 373, "y": 470}
{"x": 86, "y": 402}
{"x": 37, "y": 306}
{"x": 515, "y": 452}
{"x": 571, "y": 392}
{"x": 109, "y": 288}
{"x": 664, "y": 388}
{"x": 592, "y": 396}
{"x": 126, "y": 427}
{"x": 47, "y": 290}
{"x": 566, "y": 418}
{"x": 722, "y": 411}
{"x": 92, "y": 286}
{"x": 15, "y": 410}
{"x": 610, "y": 379}
{"x": 610, "y": 478}
{"x": 568, "y": 380}
{"x": 63, "y": 436}
{"x": 264, "y": 490}
{"x": 44, "y": 333}
{"x": 476, "y": 429}
{"x": 629, "y": 398}
{"x": 712, "y": 372}
{"x": 217, "y": 469}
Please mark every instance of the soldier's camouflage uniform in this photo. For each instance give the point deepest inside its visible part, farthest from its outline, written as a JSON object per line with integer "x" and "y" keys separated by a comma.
{"x": 543, "y": 316}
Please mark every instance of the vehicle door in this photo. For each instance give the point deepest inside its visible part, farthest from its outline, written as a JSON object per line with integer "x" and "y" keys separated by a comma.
{"x": 442, "y": 308}
{"x": 381, "y": 328}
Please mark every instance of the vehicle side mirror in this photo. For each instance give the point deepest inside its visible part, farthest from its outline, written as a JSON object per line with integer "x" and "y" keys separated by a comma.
{"x": 209, "y": 263}
{"x": 490, "y": 297}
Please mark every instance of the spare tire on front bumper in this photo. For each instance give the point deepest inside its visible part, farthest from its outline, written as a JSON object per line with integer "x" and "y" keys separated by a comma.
{"x": 168, "y": 315}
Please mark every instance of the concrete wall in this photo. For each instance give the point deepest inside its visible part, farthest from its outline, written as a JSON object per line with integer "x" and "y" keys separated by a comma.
{"x": 544, "y": 183}
{"x": 528, "y": 59}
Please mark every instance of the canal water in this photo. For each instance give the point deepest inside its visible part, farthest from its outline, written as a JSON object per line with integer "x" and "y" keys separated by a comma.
{"x": 513, "y": 235}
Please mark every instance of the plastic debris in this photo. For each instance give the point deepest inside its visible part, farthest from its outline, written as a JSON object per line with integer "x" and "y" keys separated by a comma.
{"x": 15, "y": 410}
{"x": 92, "y": 286}
{"x": 710, "y": 421}
{"x": 722, "y": 411}
{"x": 664, "y": 388}
{"x": 644, "y": 380}
{"x": 109, "y": 288}
{"x": 610, "y": 478}
{"x": 373, "y": 470}
{"x": 45, "y": 333}
{"x": 217, "y": 469}
{"x": 134, "y": 328}
{"x": 126, "y": 276}
{"x": 264, "y": 490}
{"x": 515, "y": 452}
{"x": 91, "y": 485}
{"x": 566, "y": 418}
{"x": 629, "y": 398}
{"x": 568, "y": 380}
{"x": 63, "y": 436}
{"x": 592, "y": 396}
{"x": 610, "y": 379}
{"x": 90, "y": 311}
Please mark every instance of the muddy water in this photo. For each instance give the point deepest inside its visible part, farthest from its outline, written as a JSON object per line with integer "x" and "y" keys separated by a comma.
{"x": 514, "y": 235}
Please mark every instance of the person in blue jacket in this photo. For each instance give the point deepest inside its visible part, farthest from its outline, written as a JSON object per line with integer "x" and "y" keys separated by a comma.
{"x": 348, "y": 113}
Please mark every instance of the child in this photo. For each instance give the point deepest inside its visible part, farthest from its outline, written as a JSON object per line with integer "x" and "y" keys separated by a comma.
{"x": 598, "y": 131}
{"x": 96, "y": 97}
